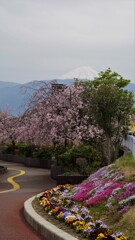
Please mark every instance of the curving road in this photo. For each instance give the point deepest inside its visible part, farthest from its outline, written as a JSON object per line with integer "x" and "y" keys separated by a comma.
{"x": 16, "y": 186}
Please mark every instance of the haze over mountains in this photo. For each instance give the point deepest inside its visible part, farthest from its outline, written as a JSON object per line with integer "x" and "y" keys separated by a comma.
{"x": 13, "y": 95}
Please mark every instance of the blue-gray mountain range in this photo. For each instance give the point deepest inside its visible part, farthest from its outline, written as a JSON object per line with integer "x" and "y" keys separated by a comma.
{"x": 13, "y": 96}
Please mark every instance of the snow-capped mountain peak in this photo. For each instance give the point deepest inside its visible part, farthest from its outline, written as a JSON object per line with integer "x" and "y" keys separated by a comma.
{"x": 81, "y": 73}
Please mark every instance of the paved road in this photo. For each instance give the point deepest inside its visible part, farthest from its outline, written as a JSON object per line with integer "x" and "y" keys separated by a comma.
{"x": 12, "y": 223}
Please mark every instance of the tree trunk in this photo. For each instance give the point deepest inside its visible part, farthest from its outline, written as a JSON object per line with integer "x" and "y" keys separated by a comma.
{"x": 108, "y": 150}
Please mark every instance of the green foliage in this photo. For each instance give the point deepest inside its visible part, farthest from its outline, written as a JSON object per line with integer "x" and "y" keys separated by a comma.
{"x": 98, "y": 210}
{"x": 88, "y": 152}
{"x": 71, "y": 173}
{"x": 132, "y": 178}
{"x": 60, "y": 149}
{"x": 19, "y": 149}
{"x": 67, "y": 158}
{"x": 25, "y": 149}
{"x": 45, "y": 152}
{"x": 109, "y": 77}
{"x": 92, "y": 156}
{"x": 127, "y": 165}
{"x": 126, "y": 161}
{"x": 8, "y": 148}
{"x": 29, "y": 150}
{"x": 87, "y": 170}
{"x": 110, "y": 107}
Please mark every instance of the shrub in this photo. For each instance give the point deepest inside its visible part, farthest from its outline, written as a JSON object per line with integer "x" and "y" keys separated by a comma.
{"x": 88, "y": 152}
{"x": 25, "y": 149}
{"x": 93, "y": 157}
{"x": 45, "y": 152}
{"x": 67, "y": 158}
{"x": 8, "y": 148}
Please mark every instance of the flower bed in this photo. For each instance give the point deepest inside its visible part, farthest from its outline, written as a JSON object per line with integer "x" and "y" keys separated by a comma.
{"x": 74, "y": 204}
{"x": 75, "y": 216}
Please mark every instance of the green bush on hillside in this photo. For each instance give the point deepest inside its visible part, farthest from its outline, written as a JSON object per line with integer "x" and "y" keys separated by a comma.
{"x": 46, "y": 152}
{"x": 7, "y": 148}
{"x": 91, "y": 155}
{"x": 25, "y": 149}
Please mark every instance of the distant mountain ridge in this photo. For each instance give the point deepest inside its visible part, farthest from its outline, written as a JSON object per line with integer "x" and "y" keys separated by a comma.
{"x": 13, "y": 96}
{"x": 8, "y": 84}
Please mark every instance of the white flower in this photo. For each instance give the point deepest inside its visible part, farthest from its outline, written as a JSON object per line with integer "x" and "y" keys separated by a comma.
{"x": 125, "y": 201}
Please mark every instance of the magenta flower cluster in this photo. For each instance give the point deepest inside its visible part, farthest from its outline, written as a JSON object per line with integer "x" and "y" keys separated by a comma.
{"x": 124, "y": 196}
{"x": 98, "y": 186}
{"x": 108, "y": 185}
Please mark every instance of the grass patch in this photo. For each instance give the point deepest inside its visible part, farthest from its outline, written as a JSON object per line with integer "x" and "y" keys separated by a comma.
{"x": 71, "y": 173}
{"x": 126, "y": 161}
{"x": 98, "y": 211}
{"x": 127, "y": 165}
{"x": 127, "y": 224}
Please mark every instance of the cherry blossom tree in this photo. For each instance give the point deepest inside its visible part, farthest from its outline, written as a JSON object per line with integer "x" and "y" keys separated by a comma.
{"x": 57, "y": 117}
{"x": 8, "y": 127}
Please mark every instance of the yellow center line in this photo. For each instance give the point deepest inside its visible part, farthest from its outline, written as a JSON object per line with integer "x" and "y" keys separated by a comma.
{"x": 15, "y": 185}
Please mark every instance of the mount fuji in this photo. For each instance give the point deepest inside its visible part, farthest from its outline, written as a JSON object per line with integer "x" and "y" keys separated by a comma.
{"x": 81, "y": 73}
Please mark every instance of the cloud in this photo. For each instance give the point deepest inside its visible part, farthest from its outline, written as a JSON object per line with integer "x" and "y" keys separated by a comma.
{"x": 41, "y": 39}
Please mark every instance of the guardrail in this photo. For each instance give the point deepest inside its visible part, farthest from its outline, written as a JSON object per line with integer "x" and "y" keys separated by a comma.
{"x": 129, "y": 142}
{"x": 30, "y": 162}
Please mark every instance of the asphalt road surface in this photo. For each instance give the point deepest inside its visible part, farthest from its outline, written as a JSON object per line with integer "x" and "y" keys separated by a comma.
{"x": 14, "y": 190}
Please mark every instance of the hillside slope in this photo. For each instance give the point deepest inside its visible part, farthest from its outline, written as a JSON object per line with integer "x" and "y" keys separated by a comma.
{"x": 101, "y": 206}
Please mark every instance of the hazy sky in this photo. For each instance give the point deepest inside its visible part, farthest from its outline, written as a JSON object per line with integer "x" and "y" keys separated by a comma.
{"x": 44, "y": 39}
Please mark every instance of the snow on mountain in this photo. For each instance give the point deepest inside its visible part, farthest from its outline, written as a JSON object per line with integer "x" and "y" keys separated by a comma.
{"x": 81, "y": 73}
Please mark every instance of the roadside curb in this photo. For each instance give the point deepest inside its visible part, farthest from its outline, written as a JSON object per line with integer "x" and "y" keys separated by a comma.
{"x": 45, "y": 228}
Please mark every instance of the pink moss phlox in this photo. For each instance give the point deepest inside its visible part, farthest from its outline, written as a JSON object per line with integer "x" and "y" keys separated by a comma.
{"x": 98, "y": 186}
{"x": 101, "y": 195}
{"x": 128, "y": 190}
